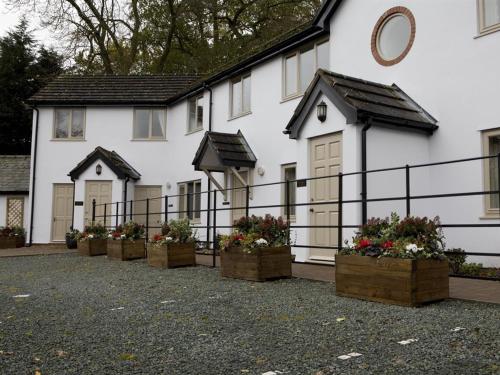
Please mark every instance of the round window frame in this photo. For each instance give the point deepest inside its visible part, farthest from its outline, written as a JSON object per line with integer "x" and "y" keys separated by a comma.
{"x": 393, "y": 12}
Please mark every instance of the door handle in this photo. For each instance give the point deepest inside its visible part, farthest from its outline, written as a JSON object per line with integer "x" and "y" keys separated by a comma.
{"x": 311, "y": 210}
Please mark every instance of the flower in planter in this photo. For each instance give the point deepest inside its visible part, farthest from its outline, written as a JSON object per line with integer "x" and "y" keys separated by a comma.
{"x": 12, "y": 231}
{"x": 178, "y": 231}
{"x": 97, "y": 231}
{"x": 261, "y": 242}
{"x": 129, "y": 231}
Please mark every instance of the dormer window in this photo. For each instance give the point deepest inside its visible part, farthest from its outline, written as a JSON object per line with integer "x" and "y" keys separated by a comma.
{"x": 489, "y": 16}
{"x": 300, "y": 66}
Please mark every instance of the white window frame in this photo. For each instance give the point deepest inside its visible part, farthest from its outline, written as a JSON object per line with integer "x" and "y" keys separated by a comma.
{"x": 297, "y": 54}
{"x": 183, "y": 201}
{"x": 69, "y": 137}
{"x": 488, "y": 210}
{"x": 150, "y": 131}
{"x": 482, "y": 29}
{"x": 195, "y": 100}
{"x": 284, "y": 167}
{"x": 232, "y": 82}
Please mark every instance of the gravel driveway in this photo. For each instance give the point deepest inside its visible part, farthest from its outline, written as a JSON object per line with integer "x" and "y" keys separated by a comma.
{"x": 65, "y": 314}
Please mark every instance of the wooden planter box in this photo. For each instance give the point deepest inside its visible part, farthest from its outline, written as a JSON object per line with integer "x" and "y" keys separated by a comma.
{"x": 126, "y": 249}
{"x": 12, "y": 242}
{"x": 264, "y": 263}
{"x": 406, "y": 282}
{"x": 93, "y": 247}
{"x": 171, "y": 255}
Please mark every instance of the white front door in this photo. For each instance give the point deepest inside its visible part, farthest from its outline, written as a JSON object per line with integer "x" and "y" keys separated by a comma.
{"x": 62, "y": 210}
{"x": 325, "y": 160}
{"x": 142, "y": 193}
{"x": 101, "y": 192}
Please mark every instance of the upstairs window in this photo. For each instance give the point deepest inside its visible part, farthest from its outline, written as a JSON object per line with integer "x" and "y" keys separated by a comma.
{"x": 491, "y": 147}
{"x": 195, "y": 121}
{"x": 190, "y": 200}
{"x": 240, "y": 96}
{"x": 149, "y": 124}
{"x": 300, "y": 67}
{"x": 489, "y": 15}
{"x": 69, "y": 123}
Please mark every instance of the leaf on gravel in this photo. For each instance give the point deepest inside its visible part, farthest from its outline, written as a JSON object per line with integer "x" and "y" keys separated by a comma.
{"x": 344, "y": 357}
{"x": 6, "y": 353}
{"x": 341, "y": 319}
{"x": 128, "y": 357}
{"x": 61, "y": 353}
{"x": 38, "y": 372}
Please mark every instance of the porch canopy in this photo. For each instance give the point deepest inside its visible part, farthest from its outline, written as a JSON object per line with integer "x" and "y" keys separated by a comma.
{"x": 362, "y": 102}
{"x": 115, "y": 162}
{"x": 224, "y": 152}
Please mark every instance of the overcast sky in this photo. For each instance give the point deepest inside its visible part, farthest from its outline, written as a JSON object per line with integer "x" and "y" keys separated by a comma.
{"x": 9, "y": 19}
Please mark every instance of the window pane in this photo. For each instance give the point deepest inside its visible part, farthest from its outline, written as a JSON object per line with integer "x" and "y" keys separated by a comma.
{"x": 192, "y": 115}
{"x": 236, "y": 106}
{"x": 290, "y": 174}
{"x": 141, "y": 130}
{"x": 158, "y": 125}
{"x": 323, "y": 53}
{"x": 182, "y": 201}
{"x": 77, "y": 124}
{"x": 306, "y": 68}
{"x": 190, "y": 191}
{"x": 199, "y": 113}
{"x": 491, "y": 12}
{"x": 246, "y": 94}
{"x": 197, "y": 200}
{"x": 394, "y": 37}
{"x": 291, "y": 75}
{"x": 62, "y": 123}
{"x": 494, "y": 149}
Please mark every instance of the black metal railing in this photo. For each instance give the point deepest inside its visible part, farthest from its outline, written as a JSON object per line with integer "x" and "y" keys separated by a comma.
{"x": 109, "y": 212}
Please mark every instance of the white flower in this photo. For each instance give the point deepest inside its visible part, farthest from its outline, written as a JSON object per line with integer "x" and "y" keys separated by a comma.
{"x": 413, "y": 248}
{"x": 168, "y": 239}
{"x": 90, "y": 236}
{"x": 123, "y": 236}
{"x": 110, "y": 235}
{"x": 261, "y": 242}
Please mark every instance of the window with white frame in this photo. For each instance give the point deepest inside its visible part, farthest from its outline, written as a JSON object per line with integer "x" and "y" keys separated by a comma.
{"x": 289, "y": 173}
{"x": 149, "y": 123}
{"x": 195, "y": 121}
{"x": 491, "y": 147}
{"x": 489, "y": 15}
{"x": 299, "y": 67}
{"x": 190, "y": 200}
{"x": 240, "y": 96}
{"x": 69, "y": 123}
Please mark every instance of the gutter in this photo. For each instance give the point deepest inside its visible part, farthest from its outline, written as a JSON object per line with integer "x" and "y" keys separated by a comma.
{"x": 364, "y": 177}
{"x": 73, "y": 209}
{"x": 209, "y": 183}
{"x": 33, "y": 182}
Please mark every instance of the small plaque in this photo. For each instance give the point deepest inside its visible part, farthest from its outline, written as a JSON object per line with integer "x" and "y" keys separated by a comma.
{"x": 226, "y": 203}
{"x": 301, "y": 183}
{"x": 170, "y": 205}
{"x": 78, "y": 203}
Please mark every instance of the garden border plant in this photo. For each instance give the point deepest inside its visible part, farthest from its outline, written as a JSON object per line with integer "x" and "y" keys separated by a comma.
{"x": 12, "y": 237}
{"x": 126, "y": 242}
{"x": 93, "y": 240}
{"x": 257, "y": 250}
{"x": 395, "y": 261}
{"x": 174, "y": 246}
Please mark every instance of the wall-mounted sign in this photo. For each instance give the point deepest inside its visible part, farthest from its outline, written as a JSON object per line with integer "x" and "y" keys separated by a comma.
{"x": 301, "y": 183}
{"x": 78, "y": 203}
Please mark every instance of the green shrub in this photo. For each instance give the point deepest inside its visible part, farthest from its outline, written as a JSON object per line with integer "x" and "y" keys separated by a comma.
{"x": 471, "y": 269}
{"x": 456, "y": 258}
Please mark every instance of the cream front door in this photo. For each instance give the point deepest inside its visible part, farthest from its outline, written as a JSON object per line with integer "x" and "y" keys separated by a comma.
{"x": 326, "y": 160}
{"x": 101, "y": 192}
{"x": 62, "y": 210}
{"x": 155, "y": 207}
{"x": 238, "y": 197}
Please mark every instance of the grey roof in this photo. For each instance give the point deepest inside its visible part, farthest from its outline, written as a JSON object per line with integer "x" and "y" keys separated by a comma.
{"x": 115, "y": 162}
{"x": 218, "y": 151}
{"x": 112, "y": 89}
{"x": 361, "y": 101}
{"x": 14, "y": 173}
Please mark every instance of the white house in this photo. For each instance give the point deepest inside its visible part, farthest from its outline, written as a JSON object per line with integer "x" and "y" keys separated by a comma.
{"x": 404, "y": 82}
{"x": 14, "y": 188}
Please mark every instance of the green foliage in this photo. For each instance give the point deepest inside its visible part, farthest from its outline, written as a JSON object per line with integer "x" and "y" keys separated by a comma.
{"x": 25, "y": 67}
{"x": 456, "y": 259}
{"x": 128, "y": 231}
{"x": 12, "y": 231}
{"x": 471, "y": 269}
{"x": 96, "y": 231}
{"x": 74, "y": 234}
{"x": 181, "y": 231}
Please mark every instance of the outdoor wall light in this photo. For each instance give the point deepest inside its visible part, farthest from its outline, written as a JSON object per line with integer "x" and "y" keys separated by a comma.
{"x": 98, "y": 169}
{"x": 322, "y": 111}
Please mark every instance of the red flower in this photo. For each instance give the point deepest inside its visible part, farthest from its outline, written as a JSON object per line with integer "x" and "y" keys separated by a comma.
{"x": 157, "y": 237}
{"x": 364, "y": 243}
{"x": 387, "y": 244}
{"x": 116, "y": 234}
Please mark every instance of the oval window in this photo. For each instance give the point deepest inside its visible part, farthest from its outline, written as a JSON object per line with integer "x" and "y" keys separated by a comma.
{"x": 393, "y": 36}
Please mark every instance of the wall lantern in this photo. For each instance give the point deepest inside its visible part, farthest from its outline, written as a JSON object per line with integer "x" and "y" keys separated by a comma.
{"x": 322, "y": 111}
{"x": 98, "y": 169}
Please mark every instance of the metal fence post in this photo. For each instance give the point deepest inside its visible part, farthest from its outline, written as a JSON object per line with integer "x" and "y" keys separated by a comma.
{"x": 117, "y": 214}
{"x": 105, "y": 214}
{"x": 247, "y": 200}
{"x": 131, "y": 210}
{"x": 207, "y": 244}
{"x": 340, "y": 210}
{"x": 214, "y": 230}
{"x": 287, "y": 197}
{"x": 166, "y": 208}
{"x": 147, "y": 218}
{"x": 498, "y": 181}
{"x": 93, "y": 211}
{"x": 408, "y": 200}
